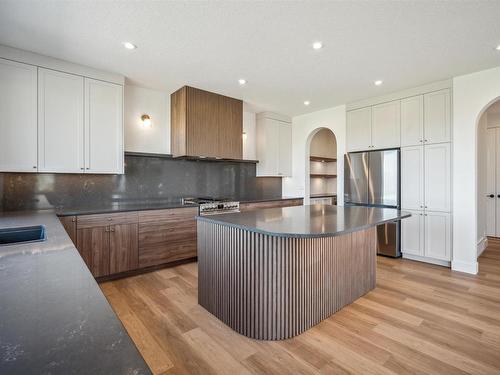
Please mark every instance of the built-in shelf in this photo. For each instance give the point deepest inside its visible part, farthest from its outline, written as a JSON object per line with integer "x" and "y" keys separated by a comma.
{"x": 322, "y": 159}
{"x": 322, "y": 175}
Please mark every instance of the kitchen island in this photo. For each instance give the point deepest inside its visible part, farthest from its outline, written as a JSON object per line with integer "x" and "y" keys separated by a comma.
{"x": 271, "y": 274}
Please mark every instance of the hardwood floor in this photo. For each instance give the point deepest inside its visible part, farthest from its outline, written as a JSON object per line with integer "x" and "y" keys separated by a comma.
{"x": 420, "y": 319}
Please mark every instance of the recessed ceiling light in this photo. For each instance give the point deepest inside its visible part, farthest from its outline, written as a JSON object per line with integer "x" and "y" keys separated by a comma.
{"x": 307, "y": 102}
{"x": 497, "y": 47}
{"x": 129, "y": 45}
{"x": 242, "y": 81}
{"x": 317, "y": 45}
{"x": 378, "y": 82}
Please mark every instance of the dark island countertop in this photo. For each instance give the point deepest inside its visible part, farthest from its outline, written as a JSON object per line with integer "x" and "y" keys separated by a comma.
{"x": 54, "y": 319}
{"x": 308, "y": 221}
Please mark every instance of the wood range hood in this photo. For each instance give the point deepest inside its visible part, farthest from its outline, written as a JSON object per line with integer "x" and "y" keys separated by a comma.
{"x": 206, "y": 125}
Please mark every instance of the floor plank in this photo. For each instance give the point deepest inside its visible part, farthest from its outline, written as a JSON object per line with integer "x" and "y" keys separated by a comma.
{"x": 420, "y": 319}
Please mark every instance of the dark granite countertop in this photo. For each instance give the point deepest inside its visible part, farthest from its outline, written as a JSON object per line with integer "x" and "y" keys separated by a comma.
{"x": 54, "y": 318}
{"x": 138, "y": 205}
{"x": 308, "y": 221}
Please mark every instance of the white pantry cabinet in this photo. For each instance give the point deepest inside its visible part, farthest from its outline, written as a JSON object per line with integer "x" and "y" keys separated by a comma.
{"x": 437, "y": 235}
{"x": 103, "y": 127}
{"x": 60, "y": 122}
{"x": 386, "y": 125}
{"x": 437, "y": 169}
{"x": 18, "y": 117}
{"x": 412, "y": 121}
{"x": 359, "y": 129}
{"x": 412, "y": 178}
{"x": 274, "y": 143}
{"x": 412, "y": 234}
{"x": 437, "y": 117}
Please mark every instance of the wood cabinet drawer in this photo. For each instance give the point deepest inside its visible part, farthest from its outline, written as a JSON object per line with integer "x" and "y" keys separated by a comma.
{"x": 271, "y": 204}
{"x": 101, "y": 220}
{"x": 171, "y": 215}
{"x": 167, "y": 242}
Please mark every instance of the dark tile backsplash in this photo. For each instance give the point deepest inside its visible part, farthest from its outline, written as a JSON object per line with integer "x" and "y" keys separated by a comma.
{"x": 146, "y": 178}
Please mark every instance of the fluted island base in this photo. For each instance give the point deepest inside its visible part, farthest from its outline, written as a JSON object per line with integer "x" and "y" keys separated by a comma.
{"x": 272, "y": 288}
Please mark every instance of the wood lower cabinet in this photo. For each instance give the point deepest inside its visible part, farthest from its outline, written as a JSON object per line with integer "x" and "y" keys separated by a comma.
{"x": 93, "y": 246}
{"x": 166, "y": 236}
{"x": 123, "y": 248}
{"x": 271, "y": 204}
{"x": 69, "y": 224}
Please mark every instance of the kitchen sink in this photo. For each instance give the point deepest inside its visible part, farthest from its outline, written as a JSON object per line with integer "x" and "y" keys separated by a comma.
{"x": 13, "y": 236}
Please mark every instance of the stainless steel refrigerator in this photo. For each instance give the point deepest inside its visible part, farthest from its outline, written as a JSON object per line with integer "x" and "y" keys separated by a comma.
{"x": 373, "y": 179}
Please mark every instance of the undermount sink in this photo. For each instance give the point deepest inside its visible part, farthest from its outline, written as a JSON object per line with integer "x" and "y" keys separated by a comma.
{"x": 13, "y": 236}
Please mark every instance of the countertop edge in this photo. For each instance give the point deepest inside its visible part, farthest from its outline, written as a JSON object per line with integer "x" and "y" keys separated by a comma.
{"x": 299, "y": 235}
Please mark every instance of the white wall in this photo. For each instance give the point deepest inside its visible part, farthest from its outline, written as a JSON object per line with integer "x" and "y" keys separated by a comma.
{"x": 472, "y": 94}
{"x": 303, "y": 128}
{"x": 249, "y": 137}
{"x": 156, "y": 104}
{"x": 481, "y": 178}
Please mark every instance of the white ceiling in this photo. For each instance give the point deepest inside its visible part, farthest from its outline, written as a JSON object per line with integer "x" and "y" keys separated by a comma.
{"x": 211, "y": 45}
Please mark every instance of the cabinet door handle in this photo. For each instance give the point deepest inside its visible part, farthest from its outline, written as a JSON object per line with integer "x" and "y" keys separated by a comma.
{"x": 490, "y": 195}
{"x": 498, "y": 196}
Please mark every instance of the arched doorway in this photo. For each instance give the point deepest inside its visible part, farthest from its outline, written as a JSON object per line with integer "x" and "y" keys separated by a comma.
{"x": 488, "y": 180}
{"x": 321, "y": 166}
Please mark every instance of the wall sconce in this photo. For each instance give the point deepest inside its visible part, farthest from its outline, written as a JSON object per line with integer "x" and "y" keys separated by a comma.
{"x": 146, "y": 121}
{"x": 244, "y": 135}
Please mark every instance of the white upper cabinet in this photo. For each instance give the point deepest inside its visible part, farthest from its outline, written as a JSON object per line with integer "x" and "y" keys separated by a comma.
{"x": 18, "y": 120}
{"x": 412, "y": 234}
{"x": 359, "y": 129}
{"x": 274, "y": 143}
{"x": 285, "y": 149}
{"x": 437, "y": 177}
{"x": 103, "y": 127}
{"x": 60, "y": 122}
{"x": 437, "y": 117}
{"x": 412, "y": 121}
{"x": 386, "y": 125}
{"x": 412, "y": 178}
{"x": 437, "y": 235}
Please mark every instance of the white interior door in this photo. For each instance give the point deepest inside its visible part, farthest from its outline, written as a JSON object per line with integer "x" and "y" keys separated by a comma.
{"x": 437, "y": 235}
{"x": 412, "y": 178}
{"x": 437, "y": 117}
{"x": 490, "y": 195}
{"x": 437, "y": 172}
{"x": 60, "y": 122}
{"x": 359, "y": 129}
{"x": 412, "y": 121}
{"x": 103, "y": 127}
{"x": 18, "y": 117}
{"x": 412, "y": 234}
{"x": 386, "y": 125}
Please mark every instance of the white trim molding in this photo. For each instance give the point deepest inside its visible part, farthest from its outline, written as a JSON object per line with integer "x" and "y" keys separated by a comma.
{"x": 466, "y": 267}
{"x": 418, "y": 258}
{"x": 481, "y": 245}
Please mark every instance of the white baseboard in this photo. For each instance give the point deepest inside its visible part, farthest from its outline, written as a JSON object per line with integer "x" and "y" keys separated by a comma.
{"x": 481, "y": 245}
{"x": 466, "y": 267}
{"x": 419, "y": 258}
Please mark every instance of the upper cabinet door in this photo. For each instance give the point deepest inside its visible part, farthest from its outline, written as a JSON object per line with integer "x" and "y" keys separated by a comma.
{"x": 412, "y": 178}
{"x": 103, "y": 127}
{"x": 268, "y": 132}
{"x": 60, "y": 122}
{"x": 437, "y": 177}
{"x": 18, "y": 119}
{"x": 359, "y": 129}
{"x": 412, "y": 121}
{"x": 437, "y": 117}
{"x": 285, "y": 149}
{"x": 386, "y": 125}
